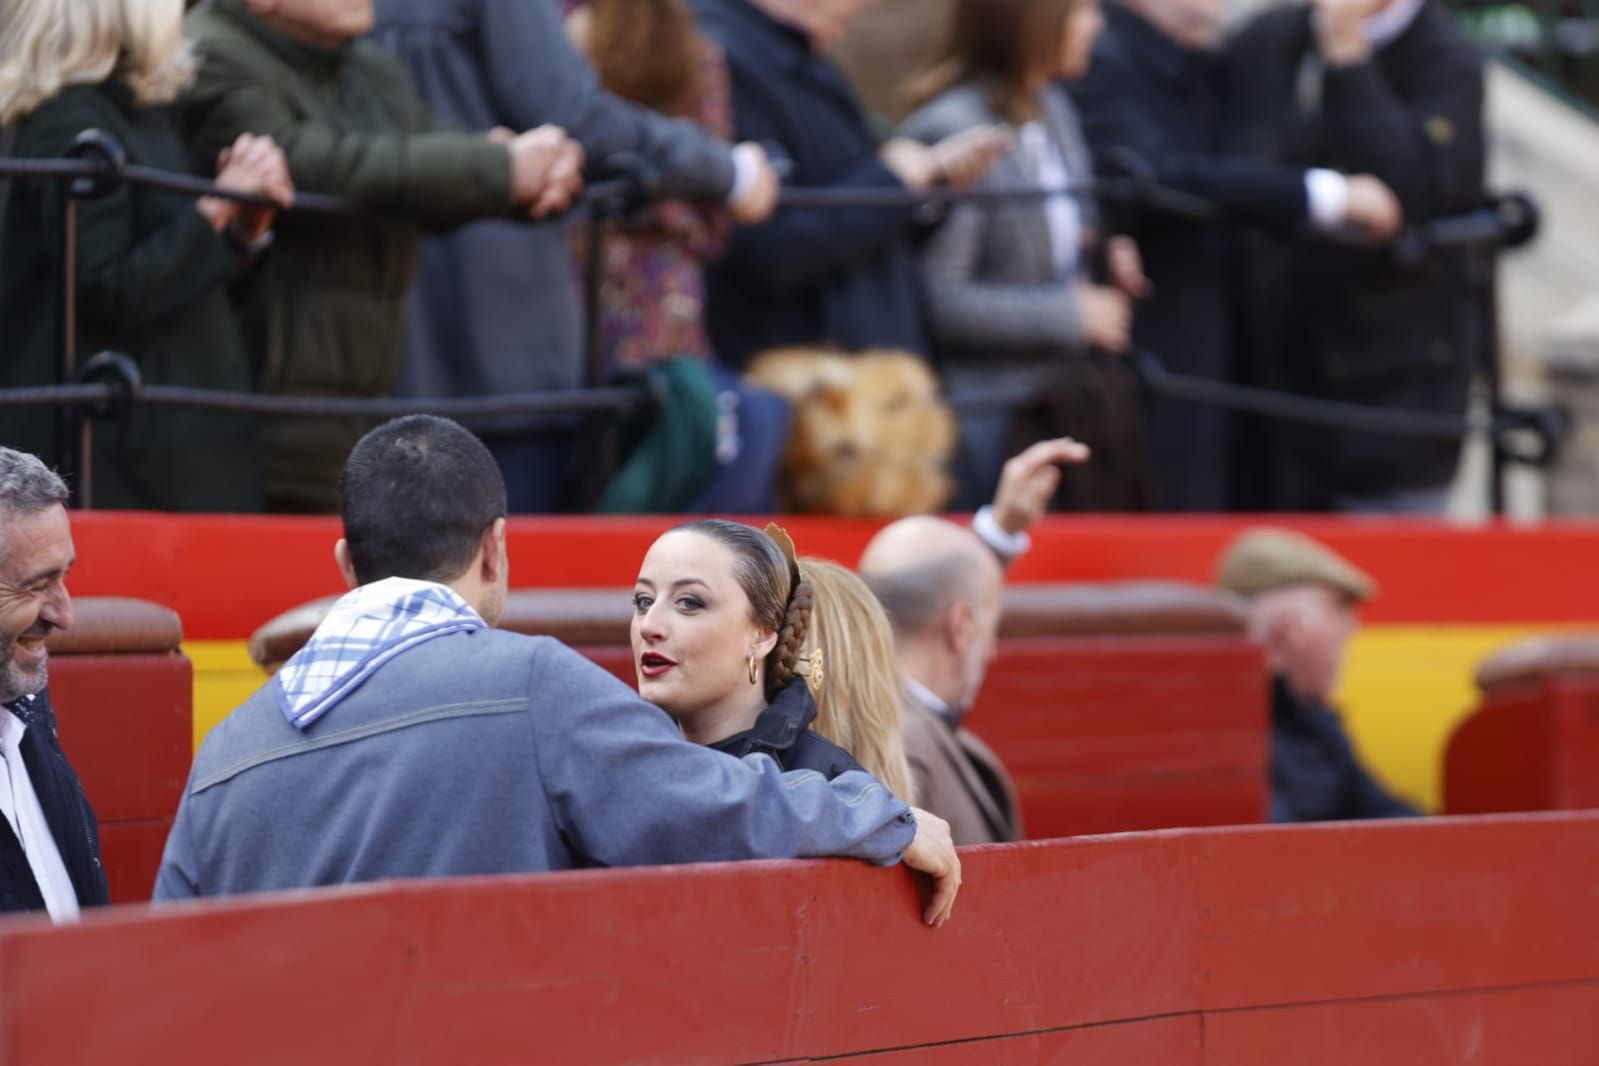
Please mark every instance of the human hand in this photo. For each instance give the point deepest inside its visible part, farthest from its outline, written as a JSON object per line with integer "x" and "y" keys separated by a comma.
{"x": 501, "y": 135}
{"x": 963, "y": 158}
{"x": 932, "y": 852}
{"x": 912, "y": 162}
{"x": 760, "y": 199}
{"x": 1107, "y": 314}
{"x": 1030, "y": 479}
{"x": 1341, "y": 29}
{"x": 1373, "y": 209}
{"x": 252, "y": 164}
{"x": 546, "y": 170}
{"x": 1126, "y": 266}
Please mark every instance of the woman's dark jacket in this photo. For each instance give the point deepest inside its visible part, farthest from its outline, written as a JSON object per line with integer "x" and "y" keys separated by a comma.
{"x": 781, "y": 732}
{"x": 65, "y": 808}
{"x": 807, "y": 276}
{"x": 152, "y": 279}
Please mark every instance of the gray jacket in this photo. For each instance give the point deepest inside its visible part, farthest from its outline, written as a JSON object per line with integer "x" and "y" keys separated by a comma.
{"x": 489, "y": 752}
{"x": 990, "y": 279}
{"x": 495, "y": 307}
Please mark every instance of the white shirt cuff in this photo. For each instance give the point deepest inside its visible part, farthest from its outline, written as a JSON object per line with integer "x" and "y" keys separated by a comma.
{"x": 745, "y": 174}
{"x": 1328, "y": 194}
{"x": 1008, "y": 546}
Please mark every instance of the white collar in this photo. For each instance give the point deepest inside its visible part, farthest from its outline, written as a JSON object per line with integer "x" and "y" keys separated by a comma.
{"x": 925, "y": 696}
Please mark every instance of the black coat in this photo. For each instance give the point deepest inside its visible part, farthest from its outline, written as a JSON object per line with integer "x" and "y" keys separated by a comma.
{"x": 1345, "y": 323}
{"x": 844, "y": 277}
{"x": 152, "y": 283}
{"x": 782, "y": 732}
{"x": 1146, "y": 93}
{"x": 65, "y": 807}
{"x": 1315, "y": 776}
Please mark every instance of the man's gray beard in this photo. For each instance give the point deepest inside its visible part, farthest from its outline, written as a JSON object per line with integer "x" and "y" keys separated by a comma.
{"x": 16, "y": 682}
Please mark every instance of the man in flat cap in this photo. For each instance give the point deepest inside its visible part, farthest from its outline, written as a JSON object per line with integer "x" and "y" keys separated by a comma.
{"x": 1304, "y": 599}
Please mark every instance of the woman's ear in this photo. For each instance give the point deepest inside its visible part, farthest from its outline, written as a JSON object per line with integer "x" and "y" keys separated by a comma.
{"x": 766, "y": 640}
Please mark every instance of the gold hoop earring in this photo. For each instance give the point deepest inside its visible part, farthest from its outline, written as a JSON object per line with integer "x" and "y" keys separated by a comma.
{"x": 753, "y": 679}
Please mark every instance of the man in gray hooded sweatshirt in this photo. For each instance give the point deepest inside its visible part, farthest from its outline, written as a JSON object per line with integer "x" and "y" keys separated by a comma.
{"x": 409, "y": 738}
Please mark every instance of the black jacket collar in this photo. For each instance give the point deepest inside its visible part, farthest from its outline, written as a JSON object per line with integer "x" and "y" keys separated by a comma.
{"x": 778, "y": 727}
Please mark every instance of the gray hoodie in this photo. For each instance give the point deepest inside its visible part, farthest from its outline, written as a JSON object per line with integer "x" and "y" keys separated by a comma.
{"x": 490, "y": 752}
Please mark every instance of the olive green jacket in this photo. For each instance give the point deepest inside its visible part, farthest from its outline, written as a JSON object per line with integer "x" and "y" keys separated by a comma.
{"x": 152, "y": 281}
{"x": 329, "y": 318}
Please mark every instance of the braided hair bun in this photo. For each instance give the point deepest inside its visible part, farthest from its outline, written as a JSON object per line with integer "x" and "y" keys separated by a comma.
{"x": 783, "y": 662}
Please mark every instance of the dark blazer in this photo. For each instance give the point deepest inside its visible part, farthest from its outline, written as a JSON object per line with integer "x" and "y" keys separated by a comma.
{"x": 845, "y": 277}
{"x": 783, "y": 731}
{"x": 1347, "y": 323}
{"x": 959, "y": 778}
{"x": 152, "y": 283}
{"x": 1315, "y": 776}
{"x": 1146, "y": 93}
{"x": 66, "y": 809}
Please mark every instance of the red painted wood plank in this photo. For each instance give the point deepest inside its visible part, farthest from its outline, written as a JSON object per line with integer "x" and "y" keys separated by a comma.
{"x": 1337, "y": 911}
{"x": 777, "y": 961}
{"x": 267, "y": 565}
{"x": 126, "y": 724}
{"x": 131, "y": 852}
{"x": 1172, "y": 1041}
{"x": 1548, "y": 1026}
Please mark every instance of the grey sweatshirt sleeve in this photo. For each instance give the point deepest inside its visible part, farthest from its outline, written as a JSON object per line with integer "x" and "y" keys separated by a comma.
{"x": 535, "y": 75}
{"x": 626, "y": 789}
{"x": 178, "y": 877}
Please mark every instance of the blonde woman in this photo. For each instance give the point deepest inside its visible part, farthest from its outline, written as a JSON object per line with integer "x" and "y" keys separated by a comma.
{"x": 152, "y": 268}
{"x": 859, "y": 696}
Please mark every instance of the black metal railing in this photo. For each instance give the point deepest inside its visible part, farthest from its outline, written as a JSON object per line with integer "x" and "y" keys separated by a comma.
{"x": 110, "y": 384}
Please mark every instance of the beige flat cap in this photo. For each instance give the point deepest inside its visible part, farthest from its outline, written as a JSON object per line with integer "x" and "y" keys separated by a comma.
{"x": 1264, "y": 559}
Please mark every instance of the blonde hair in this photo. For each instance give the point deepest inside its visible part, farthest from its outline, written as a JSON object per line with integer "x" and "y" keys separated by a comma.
{"x": 49, "y": 45}
{"x": 858, "y": 701}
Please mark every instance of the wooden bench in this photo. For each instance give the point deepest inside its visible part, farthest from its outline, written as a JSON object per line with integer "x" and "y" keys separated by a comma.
{"x": 1532, "y": 744}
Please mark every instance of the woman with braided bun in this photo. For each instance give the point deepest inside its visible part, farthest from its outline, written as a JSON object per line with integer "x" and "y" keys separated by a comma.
{"x": 720, "y": 618}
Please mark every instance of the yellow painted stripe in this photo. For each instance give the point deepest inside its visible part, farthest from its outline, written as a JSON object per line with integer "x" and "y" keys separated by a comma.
{"x": 1404, "y": 691}
{"x": 224, "y": 677}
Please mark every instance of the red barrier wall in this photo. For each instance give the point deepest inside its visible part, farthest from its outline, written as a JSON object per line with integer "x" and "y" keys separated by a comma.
{"x": 126, "y": 726}
{"x": 1446, "y": 941}
{"x": 1529, "y": 746}
{"x": 267, "y": 565}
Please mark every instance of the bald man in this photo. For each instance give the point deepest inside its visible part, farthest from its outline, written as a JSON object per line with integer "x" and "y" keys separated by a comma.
{"x": 941, "y": 584}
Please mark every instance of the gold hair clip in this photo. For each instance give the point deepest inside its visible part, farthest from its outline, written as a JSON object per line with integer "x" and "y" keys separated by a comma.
{"x": 810, "y": 668}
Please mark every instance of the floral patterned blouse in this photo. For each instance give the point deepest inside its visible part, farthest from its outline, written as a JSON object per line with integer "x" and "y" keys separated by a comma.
{"x": 652, "y": 300}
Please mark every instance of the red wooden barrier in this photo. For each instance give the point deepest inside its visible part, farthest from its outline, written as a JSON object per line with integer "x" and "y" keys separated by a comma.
{"x": 1533, "y": 742}
{"x": 123, "y": 696}
{"x": 1449, "y": 941}
{"x": 1111, "y": 734}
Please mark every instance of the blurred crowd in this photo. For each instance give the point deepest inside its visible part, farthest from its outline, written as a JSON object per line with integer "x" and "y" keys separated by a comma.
{"x": 468, "y": 129}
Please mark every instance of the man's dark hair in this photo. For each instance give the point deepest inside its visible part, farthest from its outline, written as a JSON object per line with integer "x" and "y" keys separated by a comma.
{"x": 416, "y": 495}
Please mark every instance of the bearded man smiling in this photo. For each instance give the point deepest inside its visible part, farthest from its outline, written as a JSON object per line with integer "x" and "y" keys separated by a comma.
{"x": 49, "y": 840}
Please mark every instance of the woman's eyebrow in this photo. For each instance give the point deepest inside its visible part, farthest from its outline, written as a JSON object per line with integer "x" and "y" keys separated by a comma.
{"x": 689, "y": 581}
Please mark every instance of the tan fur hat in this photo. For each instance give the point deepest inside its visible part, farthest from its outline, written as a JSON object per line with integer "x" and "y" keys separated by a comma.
{"x": 1261, "y": 560}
